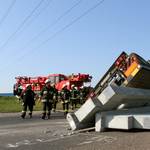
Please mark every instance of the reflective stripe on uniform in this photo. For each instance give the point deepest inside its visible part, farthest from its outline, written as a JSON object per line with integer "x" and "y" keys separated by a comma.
{"x": 51, "y": 92}
{"x": 23, "y": 111}
{"x": 44, "y": 100}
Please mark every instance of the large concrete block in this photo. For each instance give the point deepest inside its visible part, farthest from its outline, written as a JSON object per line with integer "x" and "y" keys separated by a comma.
{"x": 123, "y": 119}
{"x": 114, "y": 96}
{"x": 85, "y": 116}
{"x": 142, "y": 121}
{"x": 87, "y": 112}
{"x": 75, "y": 124}
{"x": 119, "y": 122}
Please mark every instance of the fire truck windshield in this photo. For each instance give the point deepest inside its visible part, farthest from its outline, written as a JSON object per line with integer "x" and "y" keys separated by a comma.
{"x": 52, "y": 80}
{"x": 57, "y": 79}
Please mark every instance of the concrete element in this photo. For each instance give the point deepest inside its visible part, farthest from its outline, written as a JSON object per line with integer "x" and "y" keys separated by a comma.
{"x": 123, "y": 119}
{"x": 142, "y": 121}
{"x": 119, "y": 122}
{"x": 85, "y": 116}
{"x": 112, "y": 98}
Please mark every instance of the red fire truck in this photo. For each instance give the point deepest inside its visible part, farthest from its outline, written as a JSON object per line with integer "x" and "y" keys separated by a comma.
{"x": 58, "y": 79}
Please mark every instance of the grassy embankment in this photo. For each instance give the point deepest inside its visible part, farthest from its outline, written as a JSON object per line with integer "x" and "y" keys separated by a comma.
{"x": 10, "y": 104}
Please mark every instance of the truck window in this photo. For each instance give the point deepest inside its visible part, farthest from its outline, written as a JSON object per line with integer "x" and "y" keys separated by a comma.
{"x": 57, "y": 79}
{"x": 52, "y": 80}
{"x": 61, "y": 78}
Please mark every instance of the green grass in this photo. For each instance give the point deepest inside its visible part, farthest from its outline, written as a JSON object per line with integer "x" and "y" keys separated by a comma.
{"x": 10, "y": 104}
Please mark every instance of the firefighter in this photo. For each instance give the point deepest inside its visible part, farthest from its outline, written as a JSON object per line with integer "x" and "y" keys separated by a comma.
{"x": 28, "y": 97}
{"x": 46, "y": 94}
{"x": 65, "y": 97}
{"x": 55, "y": 97}
{"x": 82, "y": 94}
{"x": 73, "y": 98}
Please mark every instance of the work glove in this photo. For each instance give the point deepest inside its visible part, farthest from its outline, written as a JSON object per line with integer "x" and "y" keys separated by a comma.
{"x": 54, "y": 97}
{"x": 19, "y": 100}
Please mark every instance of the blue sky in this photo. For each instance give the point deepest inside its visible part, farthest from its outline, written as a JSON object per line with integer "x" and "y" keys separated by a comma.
{"x": 44, "y": 37}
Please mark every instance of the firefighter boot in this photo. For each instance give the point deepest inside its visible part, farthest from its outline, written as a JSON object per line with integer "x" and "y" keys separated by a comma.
{"x": 30, "y": 114}
{"x": 23, "y": 116}
{"x": 43, "y": 116}
{"x": 48, "y": 114}
{"x": 72, "y": 107}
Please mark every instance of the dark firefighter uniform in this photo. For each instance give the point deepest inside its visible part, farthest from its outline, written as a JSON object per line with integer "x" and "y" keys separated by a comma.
{"x": 55, "y": 98}
{"x": 73, "y": 98}
{"x": 46, "y": 94}
{"x": 82, "y": 94}
{"x": 65, "y": 96}
{"x": 28, "y": 100}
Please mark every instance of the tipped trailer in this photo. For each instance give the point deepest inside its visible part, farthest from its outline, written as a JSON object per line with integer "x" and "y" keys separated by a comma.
{"x": 127, "y": 71}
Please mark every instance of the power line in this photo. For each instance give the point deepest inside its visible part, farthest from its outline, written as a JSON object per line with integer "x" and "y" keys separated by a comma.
{"x": 43, "y": 31}
{"x": 24, "y": 29}
{"x": 7, "y": 12}
{"x": 56, "y": 34}
{"x": 21, "y": 25}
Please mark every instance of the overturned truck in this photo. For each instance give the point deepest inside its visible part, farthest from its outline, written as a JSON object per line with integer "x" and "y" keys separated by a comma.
{"x": 119, "y": 98}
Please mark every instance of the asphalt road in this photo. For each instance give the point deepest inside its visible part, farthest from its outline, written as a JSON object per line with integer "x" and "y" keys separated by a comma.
{"x": 55, "y": 134}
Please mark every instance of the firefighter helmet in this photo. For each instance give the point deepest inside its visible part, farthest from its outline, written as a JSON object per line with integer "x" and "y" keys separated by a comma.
{"x": 46, "y": 81}
{"x": 28, "y": 85}
{"x": 72, "y": 85}
{"x": 53, "y": 84}
{"x": 64, "y": 85}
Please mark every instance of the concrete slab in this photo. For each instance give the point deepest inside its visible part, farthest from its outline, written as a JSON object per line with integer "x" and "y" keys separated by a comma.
{"x": 119, "y": 122}
{"x": 85, "y": 116}
{"x": 142, "y": 121}
{"x": 123, "y": 119}
{"x": 114, "y": 96}
{"x": 87, "y": 111}
{"x": 75, "y": 124}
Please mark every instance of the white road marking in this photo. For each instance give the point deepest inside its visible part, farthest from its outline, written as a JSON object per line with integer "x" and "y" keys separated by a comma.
{"x": 10, "y": 145}
{"x": 97, "y": 139}
{"x": 26, "y": 142}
